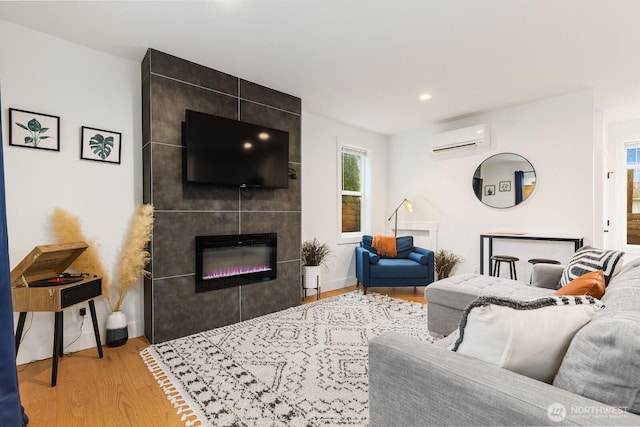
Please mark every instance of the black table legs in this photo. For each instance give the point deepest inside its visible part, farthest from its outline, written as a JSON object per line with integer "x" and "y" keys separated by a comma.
{"x": 58, "y": 327}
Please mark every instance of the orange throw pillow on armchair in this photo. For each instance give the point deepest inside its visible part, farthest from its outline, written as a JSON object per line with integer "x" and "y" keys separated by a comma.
{"x": 591, "y": 284}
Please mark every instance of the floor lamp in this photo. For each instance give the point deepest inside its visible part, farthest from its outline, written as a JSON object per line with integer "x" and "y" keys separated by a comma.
{"x": 408, "y": 206}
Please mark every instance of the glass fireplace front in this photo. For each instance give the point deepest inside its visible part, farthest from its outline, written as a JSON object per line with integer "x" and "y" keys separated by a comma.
{"x": 234, "y": 260}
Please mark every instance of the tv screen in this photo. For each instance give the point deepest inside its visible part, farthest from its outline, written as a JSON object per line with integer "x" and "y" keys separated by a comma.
{"x": 230, "y": 152}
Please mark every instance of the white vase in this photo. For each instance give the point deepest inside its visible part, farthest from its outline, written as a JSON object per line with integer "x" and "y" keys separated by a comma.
{"x": 311, "y": 276}
{"x": 117, "y": 331}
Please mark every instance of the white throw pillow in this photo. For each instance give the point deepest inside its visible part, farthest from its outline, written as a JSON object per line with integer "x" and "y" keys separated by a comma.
{"x": 529, "y": 337}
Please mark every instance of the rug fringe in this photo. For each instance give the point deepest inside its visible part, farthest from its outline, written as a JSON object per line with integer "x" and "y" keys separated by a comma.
{"x": 188, "y": 415}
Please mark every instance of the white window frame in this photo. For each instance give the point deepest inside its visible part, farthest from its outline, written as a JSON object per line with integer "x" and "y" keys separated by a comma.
{"x": 620, "y": 209}
{"x": 352, "y": 237}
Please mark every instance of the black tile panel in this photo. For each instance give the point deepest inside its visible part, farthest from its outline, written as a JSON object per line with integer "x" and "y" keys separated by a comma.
{"x": 275, "y": 199}
{"x": 145, "y": 69}
{"x": 148, "y": 308}
{"x": 170, "y": 99}
{"x": 146, "y": 174}
{"x": 174, "y": 238}
{"x": 171, "y": 192}
{"x": 185, "y": 210}
{"x": 146, "y": 110}
{"x": 261, "y": 115}
{"x": 267, "y": 297}
{"x": 179, "y": 311}
{"x": 263, "y": 95}
{"x": 187, "y": 71}
{"x": 286, "y": 224}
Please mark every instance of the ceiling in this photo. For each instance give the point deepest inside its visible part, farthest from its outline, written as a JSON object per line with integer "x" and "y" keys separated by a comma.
{"x": 365, "y": 62}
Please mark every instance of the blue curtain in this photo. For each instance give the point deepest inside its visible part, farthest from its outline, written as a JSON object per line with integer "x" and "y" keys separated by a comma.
{"x": 11, "y": 412}
{"x": 519, "y": 184}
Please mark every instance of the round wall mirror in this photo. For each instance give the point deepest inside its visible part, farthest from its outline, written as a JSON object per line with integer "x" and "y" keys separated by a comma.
{"x": 504, "y": 180}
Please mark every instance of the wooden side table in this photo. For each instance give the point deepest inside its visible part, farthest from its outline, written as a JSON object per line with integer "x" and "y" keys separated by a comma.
{"x": 38, "y": 284}
{"x": 55, "y": 299}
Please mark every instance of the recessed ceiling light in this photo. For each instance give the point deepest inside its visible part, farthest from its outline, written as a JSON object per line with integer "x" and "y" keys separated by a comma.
{"x": 424, "y": 97}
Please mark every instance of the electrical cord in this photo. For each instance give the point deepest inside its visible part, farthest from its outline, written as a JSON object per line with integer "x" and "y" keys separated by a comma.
{"x": 77, "y": 338}
{"x": 24, "y": 334}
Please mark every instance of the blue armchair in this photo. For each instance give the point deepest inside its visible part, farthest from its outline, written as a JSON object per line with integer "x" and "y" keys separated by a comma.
{"x": 412, "y": 266}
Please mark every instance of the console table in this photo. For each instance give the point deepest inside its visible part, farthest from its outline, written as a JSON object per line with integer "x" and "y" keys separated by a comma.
{"x": 577, "y": 242}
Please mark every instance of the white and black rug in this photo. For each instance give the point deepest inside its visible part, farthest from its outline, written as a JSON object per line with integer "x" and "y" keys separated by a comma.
{"x": 306, "y": 365}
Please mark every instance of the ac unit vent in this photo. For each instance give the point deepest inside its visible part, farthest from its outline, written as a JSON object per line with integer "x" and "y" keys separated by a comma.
{"x": 464, "y": 138}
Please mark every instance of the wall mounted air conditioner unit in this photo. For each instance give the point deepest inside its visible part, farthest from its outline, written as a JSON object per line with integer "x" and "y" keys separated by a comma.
{"x": 470, "y": 137}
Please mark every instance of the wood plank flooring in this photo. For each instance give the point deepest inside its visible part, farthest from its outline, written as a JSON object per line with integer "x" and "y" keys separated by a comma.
{"x": 117, "y": 390}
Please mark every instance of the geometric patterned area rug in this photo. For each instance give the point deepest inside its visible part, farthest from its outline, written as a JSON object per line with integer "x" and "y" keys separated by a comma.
{"x": 306, "y": 365}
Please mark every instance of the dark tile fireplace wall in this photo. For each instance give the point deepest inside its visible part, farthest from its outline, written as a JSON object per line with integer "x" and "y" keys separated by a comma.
{"x": 184, "y": 210}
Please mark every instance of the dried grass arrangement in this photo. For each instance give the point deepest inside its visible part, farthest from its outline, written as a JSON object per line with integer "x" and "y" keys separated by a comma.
{"x": 133, "y": 258}
{"x": 445, "y": 261}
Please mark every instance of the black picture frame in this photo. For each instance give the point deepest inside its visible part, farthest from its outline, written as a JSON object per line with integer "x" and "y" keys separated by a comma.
{"x": 504, "y": 186}
{"x": 489, "y": 190}
{"x": 100, "y": 145}
{"x": 30, "y": 129}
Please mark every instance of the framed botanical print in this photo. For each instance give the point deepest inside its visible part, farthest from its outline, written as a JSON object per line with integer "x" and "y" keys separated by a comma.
{"x": 100, "y": 145}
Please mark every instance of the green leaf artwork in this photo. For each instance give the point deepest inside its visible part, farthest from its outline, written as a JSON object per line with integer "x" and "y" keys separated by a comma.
{"x": 35, "y": 130}
{"x": 101, "y": 146}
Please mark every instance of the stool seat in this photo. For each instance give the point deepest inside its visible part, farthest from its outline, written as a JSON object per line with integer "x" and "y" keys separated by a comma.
{"x": 497, "y": 260}
{"x": 543, "y": 261}
{"x": 505, "y": 258}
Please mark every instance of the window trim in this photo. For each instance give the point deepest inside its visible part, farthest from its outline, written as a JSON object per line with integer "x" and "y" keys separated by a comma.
{"x": 620, "y": 205}
{"x": 352, "y": 237}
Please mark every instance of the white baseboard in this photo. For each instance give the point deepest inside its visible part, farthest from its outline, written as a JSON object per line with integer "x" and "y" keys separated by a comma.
{"x": 338, "y": 284}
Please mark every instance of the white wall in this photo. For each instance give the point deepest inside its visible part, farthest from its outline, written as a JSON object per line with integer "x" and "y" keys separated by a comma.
{"x": 84, "y": 88}
{"x": 320, "y": 138}
{"x": 555, "y": 135}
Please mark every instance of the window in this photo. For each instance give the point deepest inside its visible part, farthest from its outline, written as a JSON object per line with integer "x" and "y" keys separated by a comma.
{"x": 352, "y": 191}
{"x": 632, "y": 159}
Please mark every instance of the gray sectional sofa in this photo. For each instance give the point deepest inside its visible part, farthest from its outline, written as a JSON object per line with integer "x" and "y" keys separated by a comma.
{"x": 412, "y": 383}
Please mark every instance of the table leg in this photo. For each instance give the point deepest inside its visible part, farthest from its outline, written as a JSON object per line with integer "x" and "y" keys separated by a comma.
{"x": 21, "y": 319}
{"x": 57, "y": 338}
{"x": 94, "y": 320}
{"x": 481, "y": 255}
{"x": 61, "y": 341}
{"x": 490, "y": 255}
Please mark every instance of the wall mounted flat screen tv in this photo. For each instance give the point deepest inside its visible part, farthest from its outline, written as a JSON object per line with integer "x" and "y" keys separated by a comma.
{"x": 229, "y": 152}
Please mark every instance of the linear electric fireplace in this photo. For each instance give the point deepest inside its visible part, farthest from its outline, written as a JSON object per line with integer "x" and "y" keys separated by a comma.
{"x": 234, "y": 260}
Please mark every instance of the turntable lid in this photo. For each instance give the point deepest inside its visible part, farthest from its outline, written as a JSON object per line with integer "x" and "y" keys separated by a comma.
{"x": 46, "y": 261}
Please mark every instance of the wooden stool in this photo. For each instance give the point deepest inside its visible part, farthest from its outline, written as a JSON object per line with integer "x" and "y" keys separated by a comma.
{"x": 535, "y": 261}
{"x": 499, "y": 259}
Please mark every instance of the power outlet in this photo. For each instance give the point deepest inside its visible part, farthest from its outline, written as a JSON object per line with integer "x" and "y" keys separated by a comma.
{"x": 79, "y": 313}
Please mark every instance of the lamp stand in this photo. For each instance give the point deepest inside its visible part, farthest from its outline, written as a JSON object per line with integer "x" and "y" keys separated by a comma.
{"x": 395, "y": 213}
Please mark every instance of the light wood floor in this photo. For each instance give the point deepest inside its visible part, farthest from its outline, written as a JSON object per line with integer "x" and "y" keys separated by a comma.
{"x": 117, "y": 390}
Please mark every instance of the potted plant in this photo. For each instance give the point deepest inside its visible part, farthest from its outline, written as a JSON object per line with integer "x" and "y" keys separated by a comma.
{"x": 313, "y": 254}
{"x": 445, "y": 261}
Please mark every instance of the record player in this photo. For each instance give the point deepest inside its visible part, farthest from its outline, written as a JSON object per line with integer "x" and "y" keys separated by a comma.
{"x": 39, "y": 281}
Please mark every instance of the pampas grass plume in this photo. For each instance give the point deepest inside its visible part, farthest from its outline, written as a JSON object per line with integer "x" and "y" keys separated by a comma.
{"x": 134, "y": 255}
{"x": 67, "y": 229}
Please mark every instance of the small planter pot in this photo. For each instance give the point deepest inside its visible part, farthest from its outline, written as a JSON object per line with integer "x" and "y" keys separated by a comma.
{"x": 310, "y": 274}
{"x": 117, "y": 331}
